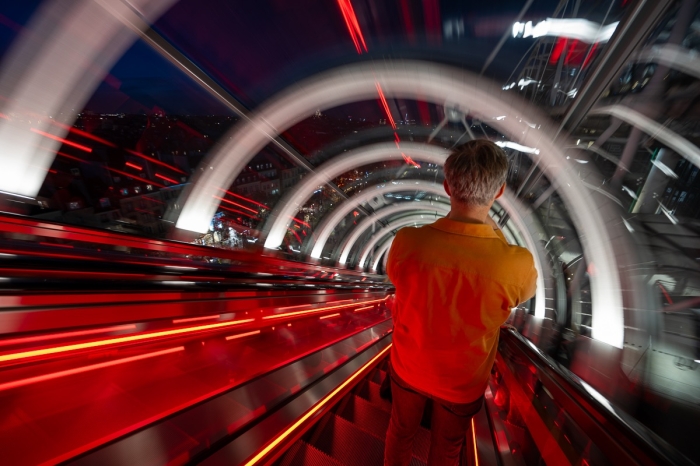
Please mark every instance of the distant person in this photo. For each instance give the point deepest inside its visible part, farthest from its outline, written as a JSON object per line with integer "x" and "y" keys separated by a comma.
{"x": 456, "y": 282}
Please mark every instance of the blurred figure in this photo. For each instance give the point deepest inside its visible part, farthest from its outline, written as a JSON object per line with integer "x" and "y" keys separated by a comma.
{"x": 456, "y": 282}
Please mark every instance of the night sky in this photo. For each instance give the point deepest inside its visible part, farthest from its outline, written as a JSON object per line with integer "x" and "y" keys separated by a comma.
{"x": 255, "y": 49}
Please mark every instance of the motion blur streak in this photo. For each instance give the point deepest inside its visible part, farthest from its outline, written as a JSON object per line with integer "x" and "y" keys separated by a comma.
{"x": 194, "y": 319}
{"x": 330, "y": 316}
{"x": 54, "y": 336}
{"x": 353, "y": 26}
{"x": 313, "y": 311}
{"x": 360, "y": 309}
{"x": 156, "y": 161}
{"x": 114, "y": 341}
{"x": 241, "y": 335}
{"x": 315, "y": 409}
{"x": 80, "y": 370}
{"x": 62, "y": 140}
{"x": 237, "y": 204}
{"x": 46, "y": 73}
{"x": 385, "y": 106}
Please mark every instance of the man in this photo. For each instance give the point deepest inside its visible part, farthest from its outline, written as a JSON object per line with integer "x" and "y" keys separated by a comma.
{"x": 456, "y": 281}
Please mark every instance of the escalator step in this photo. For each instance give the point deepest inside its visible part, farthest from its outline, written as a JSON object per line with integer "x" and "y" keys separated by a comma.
{"x": 378, "y": 376}
{"x": 301, "y": 453}
{"x": 342, "y": 439}
{"x": 376, "y": 422}
{"x": 370, "y": 392}
{"x": 364, "y": 414}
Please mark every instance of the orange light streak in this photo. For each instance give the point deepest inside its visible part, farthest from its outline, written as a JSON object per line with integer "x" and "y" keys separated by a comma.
{"x": 236, "y": 204}
{"x": 163, "y": 177}
{"x": 241, "y": 335}
{"x": 80, "y": 370}
{"x": 134, "y": 166}
{"x": 360, "y": 309}
{"x": 385, "y": 105}
{"x": 194, "y": 319}
{"x": 62, "y": 140}
{"x": 156, "y": 161}
{"x": 476, "y": 455}
{"x": 314, "y": 409}
{"x": 306, "y": 305}
{"x": 114, "y": 341}
{"x": 329, "y": 316}
{"x": 312, "y": 311}
{"x": 53, "y": 336}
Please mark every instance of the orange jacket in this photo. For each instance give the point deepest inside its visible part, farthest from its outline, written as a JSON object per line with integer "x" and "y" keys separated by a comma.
{"x": 455, "y": 285}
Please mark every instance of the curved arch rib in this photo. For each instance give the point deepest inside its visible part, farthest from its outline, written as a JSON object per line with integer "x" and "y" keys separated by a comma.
{"x": 388, "y": 230}
{"x": 328, "y": 224}
{"x": 435, "y": 83}
{"x": 365, "y": 224}
{"x": 278, "y": 222}
{"x": 380, "y": 253}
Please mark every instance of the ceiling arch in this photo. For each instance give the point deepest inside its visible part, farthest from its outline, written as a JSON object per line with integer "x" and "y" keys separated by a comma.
{"x": 436, "y": 84}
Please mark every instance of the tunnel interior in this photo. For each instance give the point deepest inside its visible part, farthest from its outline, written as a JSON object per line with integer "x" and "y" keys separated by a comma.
{"x": 198, "y": 199}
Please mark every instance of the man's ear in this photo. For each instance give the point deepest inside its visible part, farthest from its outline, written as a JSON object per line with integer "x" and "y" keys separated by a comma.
{"x": 447, "y": 187}
{"x": 501, "y": 191}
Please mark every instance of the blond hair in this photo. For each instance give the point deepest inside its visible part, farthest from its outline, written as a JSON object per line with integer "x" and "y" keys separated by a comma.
{"x": 475, "y": 171}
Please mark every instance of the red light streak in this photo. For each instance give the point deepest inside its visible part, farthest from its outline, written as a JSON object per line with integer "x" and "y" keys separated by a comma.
{"x": 80, "y": 370}
{"x": 194, "y": 319}
{"x": 84, "y": 134}
{"x": 53, "y": 336}
{"x": 156, "y": 161}
{"x": 590, "y": 55}
{"x": 409, "y": 160}
{"x": 352, "y": 24}
{"x": 241, "y": 335}
{"x": 301, "y": 222}
{"x": 385, "y": 105}
{"x": 62, "y": 140}
{"x": 236, "y": 204}
{"x": 134, "y": 166}
{"x": 63, "y": 154}
{"x": 571, "y": 51}
{"x": 131, "y": 175}
{"x": 321, "y": 309}
{"x": 337, "y": 314}
{"x": 397, "y": 140}
{"x": 244, "y": 198}
{"x": 163, "y": 177}
{"x": 239, "y": 212}
{"x": 315, "y": 409}
{"x": 114, "y": 341}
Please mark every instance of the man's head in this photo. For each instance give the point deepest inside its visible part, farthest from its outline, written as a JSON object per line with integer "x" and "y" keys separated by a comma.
{"x": 476, "y": 172}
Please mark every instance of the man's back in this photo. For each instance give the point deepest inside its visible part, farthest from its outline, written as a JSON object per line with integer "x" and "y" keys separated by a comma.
{"x": 456, "y": 283}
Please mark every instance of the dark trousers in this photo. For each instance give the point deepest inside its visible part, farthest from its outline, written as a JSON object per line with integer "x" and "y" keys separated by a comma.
{"x": 449, "y": 425}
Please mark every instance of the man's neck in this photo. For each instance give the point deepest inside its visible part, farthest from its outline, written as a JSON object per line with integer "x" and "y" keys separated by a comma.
{"x": 468, "y": 214}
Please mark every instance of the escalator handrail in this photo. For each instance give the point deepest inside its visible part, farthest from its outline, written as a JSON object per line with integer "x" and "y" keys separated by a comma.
{"x": 612, "y": 422}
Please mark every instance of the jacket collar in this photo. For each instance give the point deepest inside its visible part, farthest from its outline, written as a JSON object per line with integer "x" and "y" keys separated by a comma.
{"x": 462, "y": 228}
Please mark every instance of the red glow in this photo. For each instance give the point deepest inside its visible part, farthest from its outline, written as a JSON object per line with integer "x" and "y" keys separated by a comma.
{"x": 337, "y": 314}
{"x": 353, "y": 26}
{"x": 236, "y": 204}
{"x": 114, "y": 341}
{"x": 53, "y": 336}
{"x": 79, "y": 370}
{"x": 321, "y": 309}
{"x": 194, "y": 319}
{"x": 590, "y": 55}
{"x": 397, "y": 140}
{"x": 572, "y": 51}
{"x": 134, "y": 166}
{"x": 409, "y": 160}
{"x": 62, "y": 140}
{"x": 558, "y": 49}
{"x": 63, "y": 154}
{"x": 665, "y": 293}
{"x": 156, "y": 161}
{"x": 163, "y": 177}
{"x": 241, "y": 335}
{"x": 301, "y": 222}
{"x": 131, "y": 175}
{"x": 385, "y": 105}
